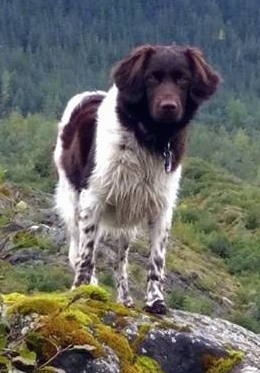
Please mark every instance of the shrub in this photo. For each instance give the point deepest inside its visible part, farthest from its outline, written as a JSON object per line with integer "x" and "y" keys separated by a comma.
{"x": 248, "y": 322}
{"x": 176, "y": 299}
{"x": 253, "y": 218}
{"x": 47, "y": 278}
{"x": 33, "y": 278}
{"x": 245, "y": 256}
{"x": 219, "y": 244}
{"x": 187, "y": 301}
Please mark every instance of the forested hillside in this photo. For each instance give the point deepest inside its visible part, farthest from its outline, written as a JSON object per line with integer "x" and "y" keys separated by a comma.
{"x": 51, "y": 49}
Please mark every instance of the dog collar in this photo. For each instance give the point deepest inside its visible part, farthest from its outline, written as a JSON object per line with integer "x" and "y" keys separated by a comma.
{"x": 168, "y": 154}
{"x": 168, "y": 158}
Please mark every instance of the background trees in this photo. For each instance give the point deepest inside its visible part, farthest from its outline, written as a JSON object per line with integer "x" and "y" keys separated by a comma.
{"x": 50, "y": 50}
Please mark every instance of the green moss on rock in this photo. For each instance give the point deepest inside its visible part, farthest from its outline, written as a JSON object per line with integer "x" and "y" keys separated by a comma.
{"x": 43, "y": 304}
{"x": 142, "y": 332}
{"x": 62, "y": 332}
{"x": 90, "y": 292}
{"x": 215, "y": 364}
{"x": 147, "y": 365}
{"x": 116, "y": 341}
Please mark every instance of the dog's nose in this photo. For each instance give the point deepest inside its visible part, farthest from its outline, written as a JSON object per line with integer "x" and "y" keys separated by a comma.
{"x": 169, "y": 106}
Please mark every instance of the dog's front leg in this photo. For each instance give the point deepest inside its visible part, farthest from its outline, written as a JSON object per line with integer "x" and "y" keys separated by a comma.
{"x": 159, "y": 231}
{"x": 121, "y": 271}
{"x": 89, "y": 217}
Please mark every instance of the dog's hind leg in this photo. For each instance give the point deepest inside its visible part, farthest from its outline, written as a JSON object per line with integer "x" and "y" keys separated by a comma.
{"x": 67, "y": 206}
{"x": 89, "y": 217}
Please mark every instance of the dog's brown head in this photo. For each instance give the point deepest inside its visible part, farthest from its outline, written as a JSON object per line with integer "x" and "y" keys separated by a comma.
{"x": 172, "y": 81}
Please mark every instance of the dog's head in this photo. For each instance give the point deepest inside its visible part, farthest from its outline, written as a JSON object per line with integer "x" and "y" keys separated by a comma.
{"x": 167, "y": 78}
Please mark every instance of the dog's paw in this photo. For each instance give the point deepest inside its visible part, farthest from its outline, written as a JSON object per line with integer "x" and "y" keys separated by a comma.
{"x": 128, "y": 302}
{"x": 158, "y": 307}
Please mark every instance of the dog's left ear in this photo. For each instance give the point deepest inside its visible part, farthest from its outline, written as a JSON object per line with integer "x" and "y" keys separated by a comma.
{"x": 128, "y": 74}
{"x": 205, "y": 80}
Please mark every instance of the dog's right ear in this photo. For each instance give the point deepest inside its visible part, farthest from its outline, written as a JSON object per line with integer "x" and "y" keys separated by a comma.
{"x": 128, "y": 74}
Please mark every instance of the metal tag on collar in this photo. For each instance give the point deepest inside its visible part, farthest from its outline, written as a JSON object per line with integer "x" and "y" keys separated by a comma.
{"x": 168, "y": 158}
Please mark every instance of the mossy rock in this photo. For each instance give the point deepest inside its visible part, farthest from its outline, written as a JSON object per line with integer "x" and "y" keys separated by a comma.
{"x": 147, "y": 365}
{"x": 225, "y": 364}
{"x": 42, "y": 304}
{"x": 90, "y": 291}
{"x": 63, "y": 331}
{"x": 53, "y": 324}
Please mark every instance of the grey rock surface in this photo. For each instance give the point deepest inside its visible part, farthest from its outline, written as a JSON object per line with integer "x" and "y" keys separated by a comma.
{"x": 222, "y": 331}
{"x": 82, "y": 362}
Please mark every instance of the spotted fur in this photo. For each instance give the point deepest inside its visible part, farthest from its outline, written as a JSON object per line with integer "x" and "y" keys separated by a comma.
{"x": 111, "y": 162}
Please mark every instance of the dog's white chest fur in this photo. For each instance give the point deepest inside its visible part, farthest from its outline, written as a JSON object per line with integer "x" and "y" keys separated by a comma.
{"x": 129, "y": 180}
{"x": 132, "y": 188}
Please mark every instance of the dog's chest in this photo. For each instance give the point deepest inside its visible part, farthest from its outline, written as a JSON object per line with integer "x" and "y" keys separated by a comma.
{"x": 133, "y": 186}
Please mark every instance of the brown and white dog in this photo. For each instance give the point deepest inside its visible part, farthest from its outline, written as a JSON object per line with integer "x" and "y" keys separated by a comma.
{"x": 118, "y": 157}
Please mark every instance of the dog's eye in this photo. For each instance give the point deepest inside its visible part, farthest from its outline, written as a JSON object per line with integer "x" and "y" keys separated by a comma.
{"x": 155, "y": 77}
{"x": 183, "y": 81}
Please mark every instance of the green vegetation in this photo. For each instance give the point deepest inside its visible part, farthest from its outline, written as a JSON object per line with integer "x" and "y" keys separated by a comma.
{"x": 26, "y": 146}
{"x": 218, "y": 218}
{"x": 235, "y": 149}
{"x": 148, "y": 365}
{"x": 215, "y": 241}
{"x": 29, "y": 278}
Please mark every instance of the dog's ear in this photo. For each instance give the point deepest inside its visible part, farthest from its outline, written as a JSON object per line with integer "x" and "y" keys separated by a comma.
{"x": 205, "y": 80}
{"x": 128, "y": 74}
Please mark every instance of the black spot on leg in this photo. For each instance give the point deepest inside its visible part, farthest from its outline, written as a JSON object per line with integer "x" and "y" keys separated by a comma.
{"x": 164, "y": 240}
{"x": 82, "y": 278}
{"x": 83, "y": 217}
{"x": 90, "y": 244}
{"x": 86, "y": 263}
{"x": 162, "y": 246}
{"x": 158, "y": 262}
{"x": 122, "y": 147}
{"x": 152, "y": 277}
{"x": 123, "y": 254}
{"x": 89, "y": 229}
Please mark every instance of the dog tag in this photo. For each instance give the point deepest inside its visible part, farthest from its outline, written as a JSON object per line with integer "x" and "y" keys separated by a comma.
{"x": 168, "y": 159}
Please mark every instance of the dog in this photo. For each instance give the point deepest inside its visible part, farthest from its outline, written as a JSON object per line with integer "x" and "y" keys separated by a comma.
{"x": 118, "y": 157}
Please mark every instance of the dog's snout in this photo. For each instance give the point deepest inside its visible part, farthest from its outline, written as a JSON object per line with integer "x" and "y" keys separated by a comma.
{"x": 167, "y": 109}
{"x": 169, "y": 105}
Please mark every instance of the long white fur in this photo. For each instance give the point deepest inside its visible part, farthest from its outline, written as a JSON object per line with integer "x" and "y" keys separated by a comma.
{"x": 127, "y": 187}
{"x": 133, "y": 180}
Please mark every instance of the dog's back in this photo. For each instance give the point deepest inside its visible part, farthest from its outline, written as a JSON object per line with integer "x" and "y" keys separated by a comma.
{"x": 77, "y": 134}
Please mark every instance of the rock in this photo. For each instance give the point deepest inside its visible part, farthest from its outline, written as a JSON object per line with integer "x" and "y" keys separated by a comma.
{"x": 81, "y": 362}
{"x": 180, "y": 352}
{"x": 21, "y": 206}
{"x": 222, "y": 331}
{"x": 31, "y": 254}
{"x": 83, "y": 331}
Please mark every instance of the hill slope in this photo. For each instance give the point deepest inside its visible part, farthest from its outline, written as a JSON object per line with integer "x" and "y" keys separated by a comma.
{"x": 213, "y": 257}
